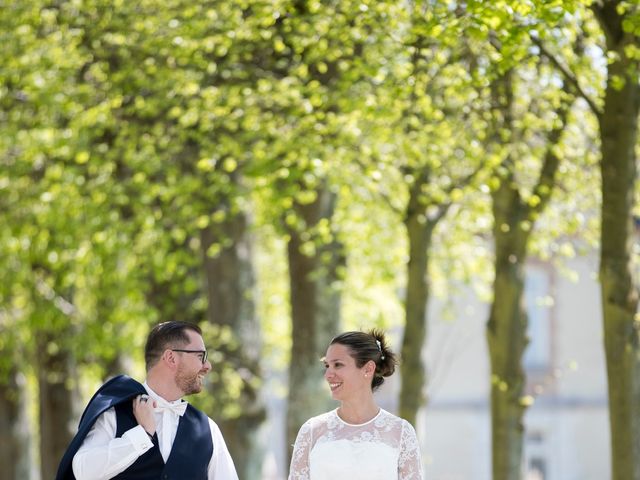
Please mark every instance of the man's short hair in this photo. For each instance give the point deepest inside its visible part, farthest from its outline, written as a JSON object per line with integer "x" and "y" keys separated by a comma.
{"x": 166, "y": 335}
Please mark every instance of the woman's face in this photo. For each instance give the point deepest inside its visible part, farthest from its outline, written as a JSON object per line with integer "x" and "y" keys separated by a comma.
{"x": 345, "y": 379}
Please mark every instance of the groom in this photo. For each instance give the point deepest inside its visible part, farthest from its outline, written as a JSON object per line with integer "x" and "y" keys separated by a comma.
{"x": 146, "y": 431}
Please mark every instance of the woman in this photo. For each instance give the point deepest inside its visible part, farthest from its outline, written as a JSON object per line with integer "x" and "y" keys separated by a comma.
{"x": 358, "y": 440}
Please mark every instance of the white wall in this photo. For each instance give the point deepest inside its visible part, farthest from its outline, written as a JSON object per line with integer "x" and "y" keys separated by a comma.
{"x": 567, "y": 427}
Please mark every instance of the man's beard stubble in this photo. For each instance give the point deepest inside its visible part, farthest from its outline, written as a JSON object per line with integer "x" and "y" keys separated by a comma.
{"x": 189, "y": 383}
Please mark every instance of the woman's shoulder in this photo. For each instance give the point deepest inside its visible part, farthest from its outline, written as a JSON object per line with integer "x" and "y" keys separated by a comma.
{"x": 318, "y": 425}
{"x": 390, "y": 416}
{"x": 395, "y": 420}
{"x": 322, "y": 419}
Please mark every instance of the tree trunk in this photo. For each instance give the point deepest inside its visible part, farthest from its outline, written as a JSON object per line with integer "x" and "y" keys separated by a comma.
{"x": 230, "y": 283}
{"x": 514, "y": 220}
{"x": 56, "y": 401}
{"x": 413, "y": 375}
{"x": 14, "y": 433}
{"x": 315, "y": 313}
{"x": 506, "y": 335}
{"x": 618, "y": 131}
{"x": 507, "y": 324}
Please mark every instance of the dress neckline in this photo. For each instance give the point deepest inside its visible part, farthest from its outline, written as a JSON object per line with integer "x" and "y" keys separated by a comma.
{"x": 335, "y": 412}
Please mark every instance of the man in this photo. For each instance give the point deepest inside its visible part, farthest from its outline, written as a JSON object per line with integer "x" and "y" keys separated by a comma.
{"x": 146, "y": 431}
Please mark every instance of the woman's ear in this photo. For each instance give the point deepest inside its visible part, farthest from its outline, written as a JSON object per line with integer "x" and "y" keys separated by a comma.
{"x": 370, "y": 368}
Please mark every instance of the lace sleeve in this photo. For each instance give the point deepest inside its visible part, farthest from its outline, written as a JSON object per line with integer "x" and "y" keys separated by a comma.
{"x": 409, "y": 464}
{"x": 300, "y": 459}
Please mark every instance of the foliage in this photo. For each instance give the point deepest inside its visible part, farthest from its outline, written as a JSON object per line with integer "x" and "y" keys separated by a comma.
{"x": 128, "y": 128}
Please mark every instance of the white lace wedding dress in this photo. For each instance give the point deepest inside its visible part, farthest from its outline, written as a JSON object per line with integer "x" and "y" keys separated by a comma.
{"x": 328, "y": 448}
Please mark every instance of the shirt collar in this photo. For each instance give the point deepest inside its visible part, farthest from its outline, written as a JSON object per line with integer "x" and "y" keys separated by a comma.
{"x": 161, "y": 402}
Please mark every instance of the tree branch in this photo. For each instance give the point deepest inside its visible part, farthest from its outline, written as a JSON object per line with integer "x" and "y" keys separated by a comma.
{"x": 386, "y": 197}
{"x": 568, "y": 75}
{"x": 62, "y": 304}
{"x": 551, "y": 162}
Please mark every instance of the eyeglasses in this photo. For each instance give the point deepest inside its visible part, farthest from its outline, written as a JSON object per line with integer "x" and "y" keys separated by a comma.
{"x": 202, "y": 353}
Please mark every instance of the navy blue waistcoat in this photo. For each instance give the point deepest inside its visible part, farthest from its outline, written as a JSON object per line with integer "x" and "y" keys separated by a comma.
{"x": 190, "y": 454}
{"x": 192, "y": 447}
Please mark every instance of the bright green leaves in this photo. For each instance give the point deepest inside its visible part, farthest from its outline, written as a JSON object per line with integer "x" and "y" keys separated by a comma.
{"x": 128, "y": 131}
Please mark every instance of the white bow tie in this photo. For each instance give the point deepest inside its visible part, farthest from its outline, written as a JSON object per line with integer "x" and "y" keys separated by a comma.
{"x": 178, "y": 408}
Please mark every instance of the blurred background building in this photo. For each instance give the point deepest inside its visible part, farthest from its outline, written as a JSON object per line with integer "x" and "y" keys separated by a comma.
{"x": 567, "y": 429}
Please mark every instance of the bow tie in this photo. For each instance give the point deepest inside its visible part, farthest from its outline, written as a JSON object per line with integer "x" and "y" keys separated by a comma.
{"x": 178, "y": 408}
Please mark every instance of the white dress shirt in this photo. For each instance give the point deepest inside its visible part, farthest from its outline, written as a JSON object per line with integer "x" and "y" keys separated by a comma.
{"x": 103, "y": 456}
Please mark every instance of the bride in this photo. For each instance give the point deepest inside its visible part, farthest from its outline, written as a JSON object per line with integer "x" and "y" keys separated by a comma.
{"x": 358, "y": 440}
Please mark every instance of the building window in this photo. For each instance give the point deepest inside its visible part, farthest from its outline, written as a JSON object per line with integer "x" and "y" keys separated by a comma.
{"x": 538, "y": 303}
{"x": 537, "y": 469}
{"x": 535, "y": 455}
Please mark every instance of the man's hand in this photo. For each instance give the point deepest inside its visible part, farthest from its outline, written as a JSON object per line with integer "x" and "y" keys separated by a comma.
{"x": 143, "y": 411}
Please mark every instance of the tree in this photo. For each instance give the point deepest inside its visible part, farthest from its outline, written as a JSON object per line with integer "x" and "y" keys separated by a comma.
{"x": 618, "y": 120}
{"x": 515, "y": 214}
{"x": 420, "y": 132}
{"x": 616, "y": 108}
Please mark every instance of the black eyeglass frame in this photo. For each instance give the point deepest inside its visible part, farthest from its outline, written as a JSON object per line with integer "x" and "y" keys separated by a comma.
{"x": 204, "y": 353}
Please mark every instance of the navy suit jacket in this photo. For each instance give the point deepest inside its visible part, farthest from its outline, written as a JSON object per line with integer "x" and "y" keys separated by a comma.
{"x": 116, "y": 391}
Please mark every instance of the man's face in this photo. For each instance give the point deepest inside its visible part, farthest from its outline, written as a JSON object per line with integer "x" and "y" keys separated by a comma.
{"x": 191, "y": 371}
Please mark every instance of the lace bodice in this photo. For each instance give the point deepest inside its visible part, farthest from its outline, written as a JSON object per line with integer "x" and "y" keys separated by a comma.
{"x": 384, "y": 448}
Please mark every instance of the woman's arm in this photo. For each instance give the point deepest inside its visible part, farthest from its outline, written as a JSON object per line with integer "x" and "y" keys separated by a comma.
{"x": 300, "y": 459}
{"x": 409, "y": 463}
